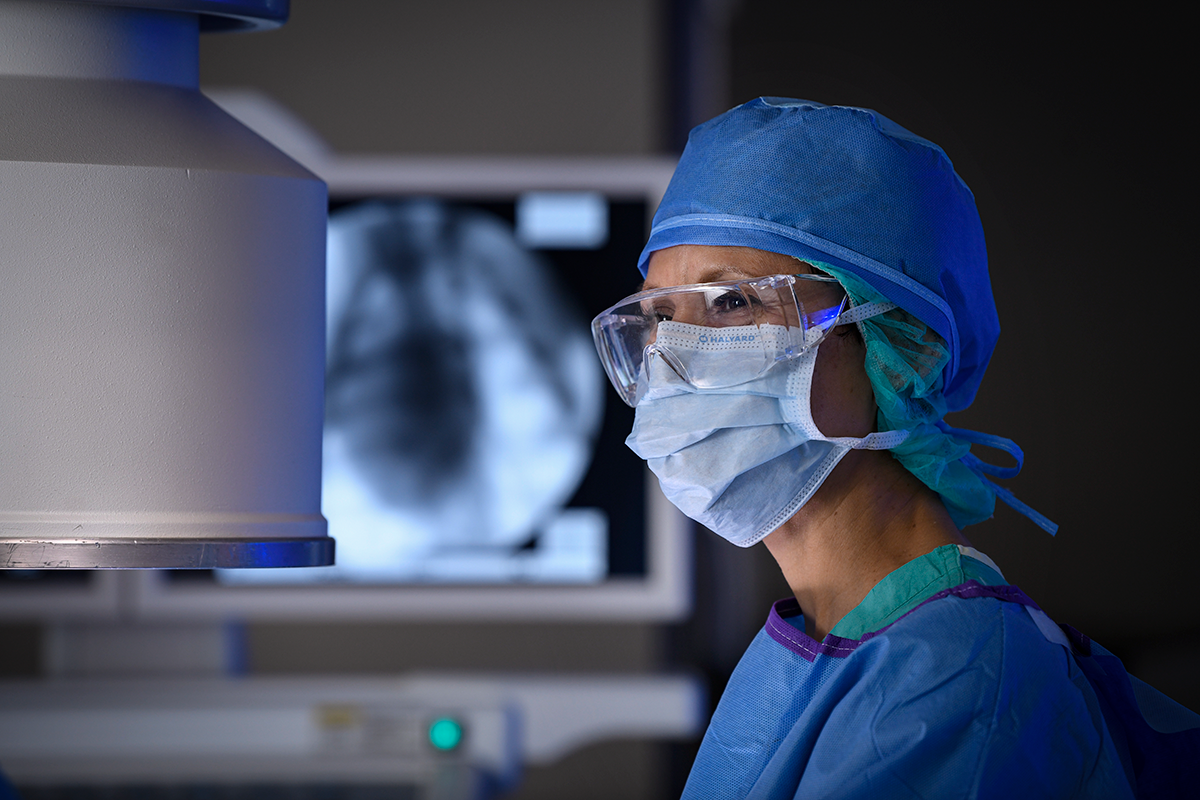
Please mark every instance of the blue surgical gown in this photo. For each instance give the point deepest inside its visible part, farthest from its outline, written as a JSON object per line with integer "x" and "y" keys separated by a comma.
{"x": 945, "y": 682}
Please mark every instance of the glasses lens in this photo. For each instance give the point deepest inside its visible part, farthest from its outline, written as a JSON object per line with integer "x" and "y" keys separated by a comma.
{"x": 622, "y": 334}
{"x": 818, "y": 299}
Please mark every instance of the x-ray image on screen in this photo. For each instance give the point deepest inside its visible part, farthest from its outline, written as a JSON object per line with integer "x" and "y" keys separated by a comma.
{"x": 463, "y": 397}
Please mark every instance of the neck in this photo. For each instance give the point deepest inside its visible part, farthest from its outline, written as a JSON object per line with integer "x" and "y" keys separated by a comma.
{"x": 870, "y": 517}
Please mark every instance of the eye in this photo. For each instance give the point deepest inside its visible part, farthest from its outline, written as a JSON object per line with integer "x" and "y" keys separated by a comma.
{"x": 729, "y": 302}
{"x": 659, "y": 312}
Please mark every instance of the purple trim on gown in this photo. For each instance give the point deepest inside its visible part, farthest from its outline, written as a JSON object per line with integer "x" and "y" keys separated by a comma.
{"x": 803, "y": 645}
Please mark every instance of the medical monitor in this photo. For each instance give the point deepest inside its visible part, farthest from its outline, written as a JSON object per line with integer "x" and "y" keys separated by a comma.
{"x": 474, "y": 456}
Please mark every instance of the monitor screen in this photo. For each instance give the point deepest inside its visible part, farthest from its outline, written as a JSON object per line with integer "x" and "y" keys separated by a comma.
{"x": 469, "y": 436}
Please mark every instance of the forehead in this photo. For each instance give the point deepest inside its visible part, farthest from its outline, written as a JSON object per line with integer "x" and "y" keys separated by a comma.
{"x": 690, "y": 263}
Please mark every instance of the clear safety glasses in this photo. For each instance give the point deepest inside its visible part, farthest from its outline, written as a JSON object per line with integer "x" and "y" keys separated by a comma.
{"x": 760, "y": 322}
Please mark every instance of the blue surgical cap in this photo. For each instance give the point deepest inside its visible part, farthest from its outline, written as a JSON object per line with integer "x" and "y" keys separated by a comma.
{"x": 883, "y": 211}
{"x": 848, "y": 187}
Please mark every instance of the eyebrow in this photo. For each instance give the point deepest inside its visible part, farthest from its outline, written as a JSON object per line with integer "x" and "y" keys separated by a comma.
{"x": 714, "y": 274}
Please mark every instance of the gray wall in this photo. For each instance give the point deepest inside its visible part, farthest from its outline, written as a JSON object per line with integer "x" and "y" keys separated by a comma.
{"x": 459, "y": 76}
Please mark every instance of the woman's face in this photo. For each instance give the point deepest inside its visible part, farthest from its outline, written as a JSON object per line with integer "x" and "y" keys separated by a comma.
{"x": 842, "y": 401}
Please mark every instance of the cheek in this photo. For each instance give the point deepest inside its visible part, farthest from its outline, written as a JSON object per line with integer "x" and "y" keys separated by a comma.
{"x": 842, "y": 402}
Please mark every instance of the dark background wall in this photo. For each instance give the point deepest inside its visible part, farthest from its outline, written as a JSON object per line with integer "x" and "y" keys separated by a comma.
{"x": 1067, "y": 128}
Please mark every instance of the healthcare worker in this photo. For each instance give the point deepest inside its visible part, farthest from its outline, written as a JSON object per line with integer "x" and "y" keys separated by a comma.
{"x": 816, "y": 300}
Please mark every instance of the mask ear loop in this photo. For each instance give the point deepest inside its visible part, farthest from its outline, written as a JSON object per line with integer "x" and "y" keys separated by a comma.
{"x": 851, "y": 316}
{"x": 857, "y": 314}
{"x": 877, "y": 440}
{"x": 984, "y": 469}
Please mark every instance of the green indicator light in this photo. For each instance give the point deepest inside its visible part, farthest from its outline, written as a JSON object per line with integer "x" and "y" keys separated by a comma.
{"x": 445, "y": 733}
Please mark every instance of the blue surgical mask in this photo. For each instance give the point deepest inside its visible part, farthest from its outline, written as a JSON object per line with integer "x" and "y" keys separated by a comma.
{"x": 740, "y": 460}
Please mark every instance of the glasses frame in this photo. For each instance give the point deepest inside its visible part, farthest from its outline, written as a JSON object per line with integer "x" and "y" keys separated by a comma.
{"x": 615, "y": 364}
